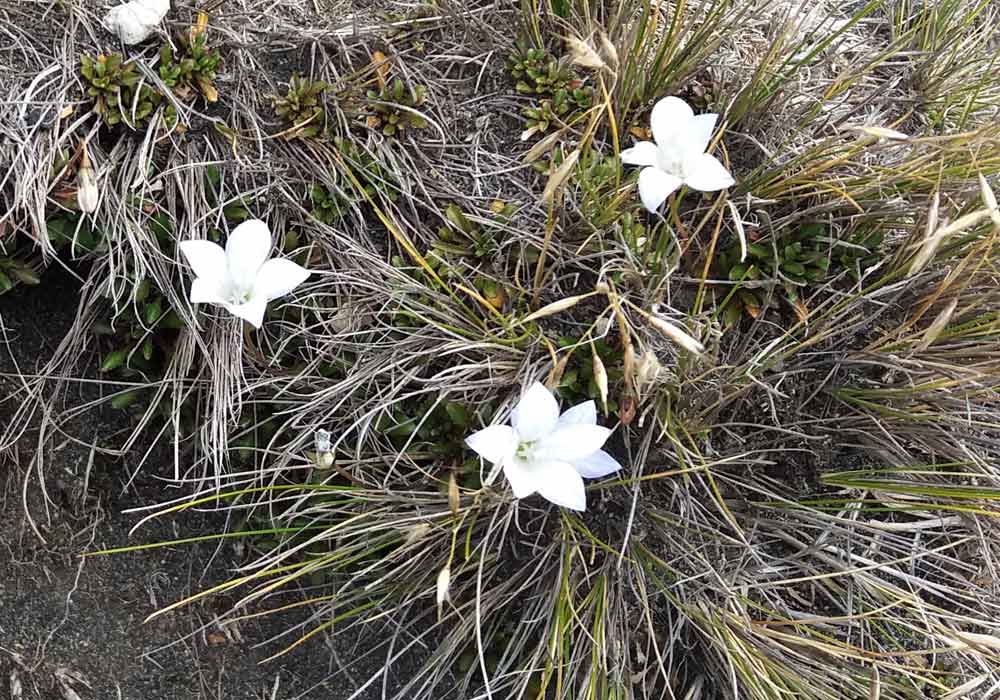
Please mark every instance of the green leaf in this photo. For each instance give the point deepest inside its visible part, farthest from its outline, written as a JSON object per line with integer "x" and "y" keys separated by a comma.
{"x": 113, "y": 360}
{"x": 24, "y": 274}
{"x": 212, "y": 175}
{"x": 458, "y": 413}
{"x": 153, "y": 311}
{"x": 812, "y": 230}
{"x": 731, "y": 314}
{"x": 126, "y": 399}
{"x": 236, "y": 212}
{"x": 142, "y": 290}
{"x": 172, "y": 321}
{"x": 794, "y": 268}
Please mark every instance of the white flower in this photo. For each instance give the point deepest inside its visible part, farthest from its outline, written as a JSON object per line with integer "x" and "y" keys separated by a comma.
{"x": 134, "y": 21}
{"x": 545, "y": 452}
{"x": 240, "y": 278}
{"x": 678, "y": 157}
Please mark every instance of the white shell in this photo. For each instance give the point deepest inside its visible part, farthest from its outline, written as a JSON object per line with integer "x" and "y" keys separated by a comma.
{"x": 134, "y": 21}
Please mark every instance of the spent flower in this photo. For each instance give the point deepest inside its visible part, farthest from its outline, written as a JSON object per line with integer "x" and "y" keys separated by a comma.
{"x": 134, "y": 21}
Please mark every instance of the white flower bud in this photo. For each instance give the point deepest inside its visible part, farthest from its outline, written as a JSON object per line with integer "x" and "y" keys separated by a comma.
{"x": 443, "y": 582}
{"x": 86, "y": 189}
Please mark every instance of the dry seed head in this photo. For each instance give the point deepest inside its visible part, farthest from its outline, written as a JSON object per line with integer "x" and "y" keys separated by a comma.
{"x": 648, "y": 368}
{"x": 934, "y": 240}
{"x": 967, "y": 640}
{"x": 740, "y": 232}
{"x": 600, "y": 377}
{"x": 628, "y": 368}
{"x": 543, "y": 146}
{"x": 556, "y": 375}
{"x": 884, "y": 133}
{"x": 560, "y": 176}
{"x": 608, "y": 50}
{"x": 454, "y": 499}
{"x": 583, "y": 54}
{"x": 602, "y": 326}
{"x": 990, "y": 199}
{"x": 415, "y": 533}
{"x": 554, "y": 308}
{"x": 676, "y": 334}
{"x": 939, "y": 324}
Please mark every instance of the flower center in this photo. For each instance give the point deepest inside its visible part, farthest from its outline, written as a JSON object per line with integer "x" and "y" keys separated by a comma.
{"x": 238, "y": 295}
{"x": 670, "y": 160}
{"x": 526, "y": 451}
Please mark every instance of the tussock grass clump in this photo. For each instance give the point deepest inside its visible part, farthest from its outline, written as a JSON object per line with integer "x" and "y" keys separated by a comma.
{"x": 800, "y": 370}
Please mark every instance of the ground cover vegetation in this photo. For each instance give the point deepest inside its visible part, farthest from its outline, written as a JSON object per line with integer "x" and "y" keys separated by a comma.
{"x": 799, "y": 368}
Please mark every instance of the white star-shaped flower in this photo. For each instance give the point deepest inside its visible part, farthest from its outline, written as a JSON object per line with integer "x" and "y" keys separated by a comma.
{"x": 544, "y": 452}
{"x": 678, "y": 155}
{"x": 134, "y": 21}
{"x": 240, "y": 278}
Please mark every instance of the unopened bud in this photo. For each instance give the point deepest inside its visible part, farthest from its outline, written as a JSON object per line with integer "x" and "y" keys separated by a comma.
{"x": 443, "y": 583}
{"x": 86, "y": 189}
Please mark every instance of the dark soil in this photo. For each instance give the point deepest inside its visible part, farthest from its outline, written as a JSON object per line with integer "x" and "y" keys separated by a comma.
{"x": 72, "y": 622}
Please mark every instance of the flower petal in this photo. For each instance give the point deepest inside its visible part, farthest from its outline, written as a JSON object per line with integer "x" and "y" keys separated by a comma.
{"x": 643, "y": 153}
{"x": 206, "y": 259}
{"x": 700, "y": 130}
{"x": 571, "y": 442}
{"x": 205, "y": 290}
{"x": 135, "y": 21}
{"x": 278, "y": 277}
{"x": 521, "y": 477}
{"x": 494, "y": 444}
{"x": 670, "y": 121}
{"x": 582, "y": 414}
{"x": 561, "y": 484}
{"x": 596, "y": 465}
{"x": 246, "y": 250}
{"x": 704, "y": 172}
{"x": 536, "y": 415}
{"x": 251, "y": 311}
{"x": 655, "y": 186}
